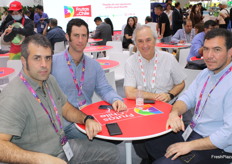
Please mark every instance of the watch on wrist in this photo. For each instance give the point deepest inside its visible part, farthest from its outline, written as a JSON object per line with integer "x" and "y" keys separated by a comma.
{"x": 171, "y": 96}
{"x": 88, "y": 117}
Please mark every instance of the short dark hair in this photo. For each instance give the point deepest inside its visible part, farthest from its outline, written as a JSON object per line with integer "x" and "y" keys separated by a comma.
{"x": 148, "y": 19}
{"x": 53, "y": 21}
{"x": 177, "y": 4}
{"x": 159, "y": 7}
{"x": 209, "y": 23}
{"x": 36, "y": 39}
{"x": 76, "y": 22}
{"x": 187, "y": 20}
{"x": 220, "y": 32}
{"x": 39, "y": 7}
{"x": 97, "y": 19}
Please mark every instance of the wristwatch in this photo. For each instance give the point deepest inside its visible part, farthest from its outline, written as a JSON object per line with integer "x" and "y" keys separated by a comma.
{"x": 171, "y": 95}
{"x": 88, "y": 117}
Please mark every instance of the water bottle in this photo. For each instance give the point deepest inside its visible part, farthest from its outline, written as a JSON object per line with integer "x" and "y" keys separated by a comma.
{"x": 139, "y": 98}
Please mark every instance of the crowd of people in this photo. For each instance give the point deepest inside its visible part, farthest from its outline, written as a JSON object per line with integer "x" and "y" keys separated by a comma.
{"x": 39, "y": 107}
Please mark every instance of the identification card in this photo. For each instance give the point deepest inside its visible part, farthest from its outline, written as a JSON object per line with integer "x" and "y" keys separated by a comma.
{"x": 68, "y": 151}
{"x": 187, "y": 133}
{"x": 42, "y": 26}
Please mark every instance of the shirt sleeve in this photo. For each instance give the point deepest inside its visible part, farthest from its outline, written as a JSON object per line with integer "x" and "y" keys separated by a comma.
{"x": 176, "y": 37}
{"x": 197, "y": 43}
{"x": 222, "y": 137}
{"x": 97, "y": 32}
{"x": 103, "y": 89}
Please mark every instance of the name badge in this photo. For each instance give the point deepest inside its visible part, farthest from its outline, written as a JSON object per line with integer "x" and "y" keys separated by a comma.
{"x": 187, "y": 133}
{"x": 68, "y": 151}
{"x": 42, "y": 26}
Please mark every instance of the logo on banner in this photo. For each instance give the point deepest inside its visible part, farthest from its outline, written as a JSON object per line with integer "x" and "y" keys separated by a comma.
{"x": 77, "y": 11}
{"x": 147, "y": 110}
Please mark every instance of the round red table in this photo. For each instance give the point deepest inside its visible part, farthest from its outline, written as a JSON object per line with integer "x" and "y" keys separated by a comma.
{"x": 91, "y": 40}
{"x": 195, "y": 58}
{"x": 163, "y": 45}
{"x": 97, "y": 48}
{"x": 107, "y": 64}
{"x": 5, "y": 71}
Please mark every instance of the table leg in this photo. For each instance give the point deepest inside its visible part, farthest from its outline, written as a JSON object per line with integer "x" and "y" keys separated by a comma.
{"x": 128, "y": 152}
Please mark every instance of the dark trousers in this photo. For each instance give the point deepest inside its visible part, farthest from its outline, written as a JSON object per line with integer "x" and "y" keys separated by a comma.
{"x": 157, "y": 147}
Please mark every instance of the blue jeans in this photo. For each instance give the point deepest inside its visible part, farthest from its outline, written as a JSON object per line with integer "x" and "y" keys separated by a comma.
{"x": 166, "y": 39}
{"x": 72, "y": 132}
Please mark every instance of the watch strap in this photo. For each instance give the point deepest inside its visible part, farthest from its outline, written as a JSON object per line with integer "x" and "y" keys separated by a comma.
{"x": 171, "y": 96}
{"x": 88, "y": 117}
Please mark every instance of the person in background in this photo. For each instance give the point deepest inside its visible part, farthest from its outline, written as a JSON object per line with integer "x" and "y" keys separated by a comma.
{"x": 199, "y": 27}
{"x": 198, "y": 41}
{"x": 177, "y": 18}
{"x": 80, "y": 76}
{"x": 108, "y": 21}
{"x": 4, "y": 15}
{"x": 40, "y": 19}
{"x": 195, "y": 15}
{"x": 17, "y": 29}
{"x": 207, "y": 139}
{"x": 163, "y": 24}
{"x": 128, "y": 32}
{"x": 5, "y": 22}
{"x": 54, "y": 33}
{"x": 103, "y": 31}
{"x": 169, "y": 11}
{"x": 158, "y": 72}
{"x": 136, "y": 21}
{"x": 153, "y": 25}
{"x": 32, "y": 108}
{"x": 27, "y": 14}
{"x": 184, "y": 35}
{"x": 224, "y": 14}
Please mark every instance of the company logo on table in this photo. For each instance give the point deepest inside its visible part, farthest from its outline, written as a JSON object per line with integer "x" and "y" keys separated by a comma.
{"x": 147, "y": 110}
{"x": 77, "y": 11}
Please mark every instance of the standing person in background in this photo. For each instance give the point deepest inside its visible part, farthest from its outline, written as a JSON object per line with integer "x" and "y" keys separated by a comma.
{"x": 128, "y": 32}
{"x": 223, "y": 17}
{"x": 108, "y": 21}
{"x": 177, "y": 18}
{"x": 153, "y": 25}
{"x": 40, "y": 19}
{"x": 103, "y": 31}
{"x": 169, "y": 11}
{"x": 163, "y": 24}
{"x": 195, "y": 15}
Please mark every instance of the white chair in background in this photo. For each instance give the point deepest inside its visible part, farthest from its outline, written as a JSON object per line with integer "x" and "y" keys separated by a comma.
{"x": 17, "y": 65}
{"x": 183, "y": 56}
{"x": 117, "y": 47}
{"x": 191, "y": 75}
{"x": 111, "y": 80}
{"x": 59, "y": 46}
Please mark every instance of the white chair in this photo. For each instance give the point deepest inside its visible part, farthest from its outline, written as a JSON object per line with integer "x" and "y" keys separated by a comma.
{"x": 17, "y": 65}
{"x": 183, "y": 54}
{"x": 117, "y": 47}
{"x": 121, "y": 58}
{"x": 111, "y": 80}
{"x": 191, "y": 75}
{"x": 59, "y": 47}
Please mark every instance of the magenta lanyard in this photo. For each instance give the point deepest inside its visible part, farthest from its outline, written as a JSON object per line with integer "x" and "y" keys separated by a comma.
{"x": 193, "y": 124}
{"x": 29, "y": 87}
{"x": 79, "y": 87}
{"x": 153, "y": 74}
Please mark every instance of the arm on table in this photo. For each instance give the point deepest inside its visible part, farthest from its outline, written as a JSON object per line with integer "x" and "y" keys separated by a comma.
{"x": 10, "y": 153}
{"x": 72, "y": 114}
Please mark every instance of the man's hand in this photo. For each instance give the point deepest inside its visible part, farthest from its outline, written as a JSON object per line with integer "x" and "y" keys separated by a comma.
{"x": 181, "y": 41}
{"x": 178, "y": 149}
{"x": 92, "y": 128}
{"x": 8, "y": 30}
{"x": 119, "y": 106}
{"x": 162, "y": 97}
{"x": 175, "y": 122}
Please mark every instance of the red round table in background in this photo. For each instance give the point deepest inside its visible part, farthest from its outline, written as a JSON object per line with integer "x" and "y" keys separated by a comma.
{"x": 91, "y": 40}
{"x": 195, "y": 58}
{"x": 5, "y": 71}
{"x": 97, "y": 48}
{"x": 163, "y": 45}
{"x": 107, "y": 64}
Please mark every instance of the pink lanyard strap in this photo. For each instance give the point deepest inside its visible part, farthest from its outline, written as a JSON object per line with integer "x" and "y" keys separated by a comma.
{"x": 79, "y": 87}
{"x": 29, "y": 87}
{"x": 193, "y": 124}
{"x": 153, "y": 74}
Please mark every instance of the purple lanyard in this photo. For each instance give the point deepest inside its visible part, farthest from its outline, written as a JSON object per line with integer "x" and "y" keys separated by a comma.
{"x": 29, "y": 87}
{"x": 193, "y": 124}
{"x": 79, "y": 87}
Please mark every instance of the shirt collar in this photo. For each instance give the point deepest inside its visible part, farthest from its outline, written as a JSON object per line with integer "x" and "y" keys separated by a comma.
{"x": 71, "y": 59}
{"x": 219, "y": 74}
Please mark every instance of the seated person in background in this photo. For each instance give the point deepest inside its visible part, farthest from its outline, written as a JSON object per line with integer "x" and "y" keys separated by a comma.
{"x": 55, "y": 33}
{"x": 17, "y": 29}
{"x": 184, "y": 35}
{"x": 32, "y": 109}
{"x": 157, "y": 71}
{"x": 80, "y": 76}
{"x": 128, "y": 32}
{"x": 103, "y": 31}
{"x": 148, "y": 21}
{"x": 199, "y": 27}
{"x": 197, "y": 42}
{"x": 209, "y": 134}
{"x": 109, "y": 22}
